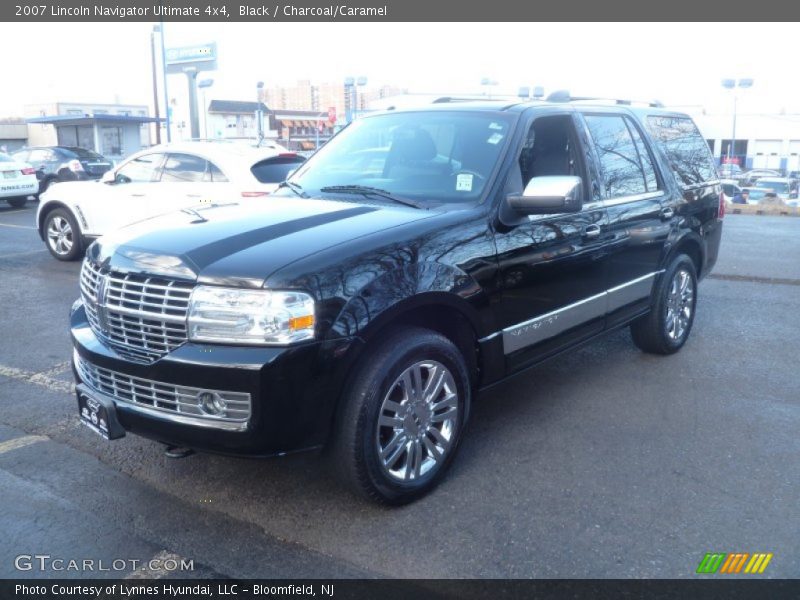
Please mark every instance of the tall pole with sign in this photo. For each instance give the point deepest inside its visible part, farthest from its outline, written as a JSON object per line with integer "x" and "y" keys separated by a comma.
{"x": 191, "y": 60}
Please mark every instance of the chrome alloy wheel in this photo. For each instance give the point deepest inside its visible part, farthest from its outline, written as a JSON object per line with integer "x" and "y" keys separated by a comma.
{"x": 417, "y": 421}
{"x": 59, "y": 235}
{"x": 680, "y": 300}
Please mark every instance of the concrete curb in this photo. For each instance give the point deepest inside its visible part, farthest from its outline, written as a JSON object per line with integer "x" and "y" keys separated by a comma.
{"x": 763, "y": 209}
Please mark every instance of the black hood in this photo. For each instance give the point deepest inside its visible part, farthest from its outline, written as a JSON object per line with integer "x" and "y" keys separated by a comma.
{"x": 241, "y": 244}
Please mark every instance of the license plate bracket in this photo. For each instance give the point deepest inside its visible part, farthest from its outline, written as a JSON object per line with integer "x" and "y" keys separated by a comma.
{"x": 98, "y": 413}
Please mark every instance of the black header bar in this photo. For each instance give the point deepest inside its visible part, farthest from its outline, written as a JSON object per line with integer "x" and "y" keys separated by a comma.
{"x": 66, "y": 11}
{"x": 471, "y": 589}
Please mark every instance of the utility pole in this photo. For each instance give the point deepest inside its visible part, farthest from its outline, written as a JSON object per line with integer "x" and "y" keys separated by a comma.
{"x": 155, "y": 83}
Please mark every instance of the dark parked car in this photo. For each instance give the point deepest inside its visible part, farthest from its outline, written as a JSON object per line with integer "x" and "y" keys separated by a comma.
{"x": 419, "y": 257}
{"x": 63, "y": 163}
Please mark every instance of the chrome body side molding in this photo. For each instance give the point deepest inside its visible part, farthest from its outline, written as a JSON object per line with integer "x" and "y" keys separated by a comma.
{"x": 551, "y": 324}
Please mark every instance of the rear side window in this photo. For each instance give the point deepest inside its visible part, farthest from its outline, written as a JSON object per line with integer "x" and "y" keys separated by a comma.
{"x": 84, "y": 153}
{"x": 686, "y": 150}
{"x": 625, "y": 164}
{"x": 184, "y": 168}
{"x": 275, "y": 170}
{"x": 215, "y": 174}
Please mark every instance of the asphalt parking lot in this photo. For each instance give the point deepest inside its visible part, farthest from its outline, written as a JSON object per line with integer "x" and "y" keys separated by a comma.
{"x": 603, "y": 463}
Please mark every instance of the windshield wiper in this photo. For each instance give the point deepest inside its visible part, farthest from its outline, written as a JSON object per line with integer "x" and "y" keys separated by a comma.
{"x": 295, "y": 187}
{"x": 370, "y": 191}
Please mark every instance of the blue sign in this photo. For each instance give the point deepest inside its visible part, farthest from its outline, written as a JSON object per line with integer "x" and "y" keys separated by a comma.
{"x": 192, "y": 54}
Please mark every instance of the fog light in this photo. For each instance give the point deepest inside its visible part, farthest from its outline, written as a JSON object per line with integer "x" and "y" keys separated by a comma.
{"x": 211, "y": 403}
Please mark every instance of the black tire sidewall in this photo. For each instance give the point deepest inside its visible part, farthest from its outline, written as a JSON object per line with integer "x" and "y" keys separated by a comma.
{"x": 77, "y": 240}
{"x": 680, "y": 262}
{"x": 17, "y": 201}
{"x": 372, "y": 389}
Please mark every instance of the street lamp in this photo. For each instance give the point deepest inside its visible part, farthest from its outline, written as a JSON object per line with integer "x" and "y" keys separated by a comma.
{"x": 488, "y": 82}
{"x": 203, "y": 84}
{"x": 259, "y": 112}
{"x": 351, "y": 85}
{"x": 733, "y": 84}
{"x": 159, "y": 29}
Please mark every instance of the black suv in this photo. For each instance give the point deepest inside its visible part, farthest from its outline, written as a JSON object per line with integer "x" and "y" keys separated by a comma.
{"x": 63, "y": 163}
{"x": 417, "y": 258}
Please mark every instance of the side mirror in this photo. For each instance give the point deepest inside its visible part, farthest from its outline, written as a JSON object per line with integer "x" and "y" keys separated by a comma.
{"x": 549, "y": 195}
{"x": 109, "y": 176}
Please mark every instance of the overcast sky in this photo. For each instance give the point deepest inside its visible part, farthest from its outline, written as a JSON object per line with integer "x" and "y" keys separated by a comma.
{"x": 679, "y": 64}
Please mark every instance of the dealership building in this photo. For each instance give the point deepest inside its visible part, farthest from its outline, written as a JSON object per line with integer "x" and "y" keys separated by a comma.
{"x": 770, "y": 141}
{"x": 113, "y": 130}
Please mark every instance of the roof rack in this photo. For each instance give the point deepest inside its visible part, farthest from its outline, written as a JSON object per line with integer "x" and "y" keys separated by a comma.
{"x": 564, "y": 96}
{"x": 449, "y": 99}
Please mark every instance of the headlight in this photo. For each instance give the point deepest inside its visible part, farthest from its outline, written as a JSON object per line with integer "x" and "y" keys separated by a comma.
{"x": 240, "y": 316}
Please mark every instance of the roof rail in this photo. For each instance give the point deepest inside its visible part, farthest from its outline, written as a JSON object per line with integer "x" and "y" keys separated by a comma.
{"x": 564, "y": 96}
{"x": 449, "y": 99}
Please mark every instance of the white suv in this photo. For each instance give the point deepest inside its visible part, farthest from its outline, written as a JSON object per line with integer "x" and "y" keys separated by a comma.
{"x": 155, "y": 181}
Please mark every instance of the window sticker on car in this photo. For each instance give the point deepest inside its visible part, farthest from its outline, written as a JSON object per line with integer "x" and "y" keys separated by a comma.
{"x": 464, "y": 182}
{"x": 495, "y": 138}
{"x": 496, "y": 126}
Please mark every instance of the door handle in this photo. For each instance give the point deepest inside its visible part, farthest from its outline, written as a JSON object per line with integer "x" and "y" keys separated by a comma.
{"x": 137, "y": 195}
{"x": 591, "y": 231}
{"x": 194, "y": 195}
{"x": 667, "y": 213}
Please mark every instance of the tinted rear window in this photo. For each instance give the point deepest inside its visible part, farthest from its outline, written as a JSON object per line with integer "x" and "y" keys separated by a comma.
{"x": 275, "y": 170}
{"x": 686, "y": 150}
{"x": 84, "y": 153}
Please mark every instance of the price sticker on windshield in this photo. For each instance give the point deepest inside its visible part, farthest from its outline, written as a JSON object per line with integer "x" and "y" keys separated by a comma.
{"x": 464, "y": 182}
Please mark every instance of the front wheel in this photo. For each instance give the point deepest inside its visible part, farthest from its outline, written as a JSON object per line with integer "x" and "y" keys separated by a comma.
{"x": 62, "y": 236}
{"x": 665, "y": 329}
{"x": 402, "y": 417}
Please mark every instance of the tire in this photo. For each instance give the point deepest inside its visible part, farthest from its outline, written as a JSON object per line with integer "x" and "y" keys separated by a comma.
{"x": 665, "y": 329}
{"x": 62, "y": 235}
{"x": 379, "y": 418}
{"x": 17, "y": 202}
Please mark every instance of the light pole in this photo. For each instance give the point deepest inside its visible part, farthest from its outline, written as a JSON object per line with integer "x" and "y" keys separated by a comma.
{"x": 160, "y": 29}
{"x": 203, "y": 84}
{"x": 360, "y": 82}
{"x": 259, "y": 112}
{"x": 732, "y": 84}
{"x": 488, "y": 82}
{"x": 155, "y": 81}
{"x": 351, "y": 85}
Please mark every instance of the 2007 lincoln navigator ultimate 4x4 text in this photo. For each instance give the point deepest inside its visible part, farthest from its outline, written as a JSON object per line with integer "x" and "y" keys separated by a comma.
{"x": 418, "y": 257}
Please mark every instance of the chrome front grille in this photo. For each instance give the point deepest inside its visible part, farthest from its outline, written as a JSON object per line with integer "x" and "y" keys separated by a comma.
{"x": 141, "y": 316}
{"x": 176, "y": 402}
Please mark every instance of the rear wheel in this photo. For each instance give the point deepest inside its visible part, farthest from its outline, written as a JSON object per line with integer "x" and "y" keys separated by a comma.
{"x": 666, "y": 328}
{"x": 17, "y": 202}
{"x": 403, "y": 416}
{"x": 62, "y": 235}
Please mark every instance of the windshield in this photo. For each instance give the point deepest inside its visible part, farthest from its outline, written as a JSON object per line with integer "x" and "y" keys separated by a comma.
{"x": 439, "y": 156}
{"x": 776, "y": 186}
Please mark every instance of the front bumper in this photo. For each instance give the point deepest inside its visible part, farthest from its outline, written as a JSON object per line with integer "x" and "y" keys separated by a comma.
{"x": 293, "y": 391}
